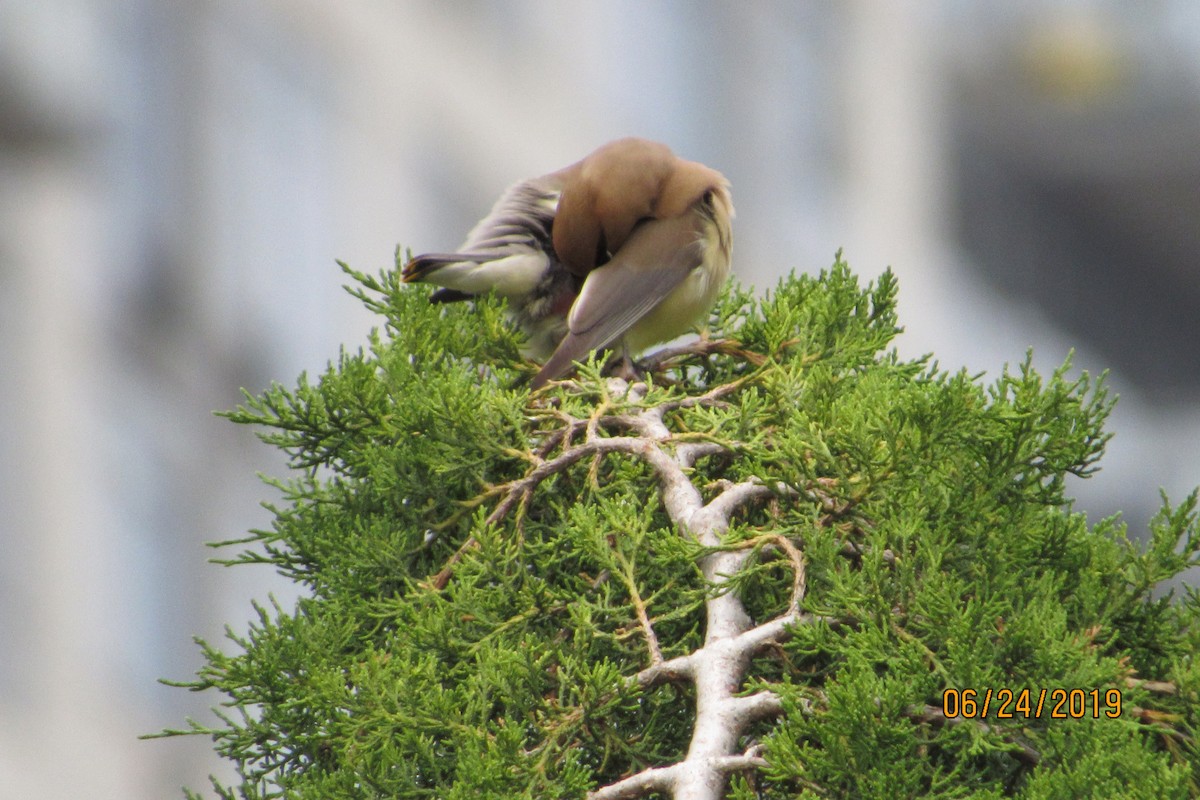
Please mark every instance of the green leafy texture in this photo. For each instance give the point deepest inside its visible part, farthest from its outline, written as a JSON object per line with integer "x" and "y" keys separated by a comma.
{"x": 931, "y": 508}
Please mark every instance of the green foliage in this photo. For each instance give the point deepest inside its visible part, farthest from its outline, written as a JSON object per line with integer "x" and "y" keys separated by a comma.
{"x": 931, "y": 508}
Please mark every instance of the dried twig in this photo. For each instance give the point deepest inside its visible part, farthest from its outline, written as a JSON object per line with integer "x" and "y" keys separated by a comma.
{"x": 639, "y": 606}
{"x": 1021, "y": 750}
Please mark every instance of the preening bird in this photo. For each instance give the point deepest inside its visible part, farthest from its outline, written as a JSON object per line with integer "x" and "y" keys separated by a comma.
{"x": 625, "y": 248}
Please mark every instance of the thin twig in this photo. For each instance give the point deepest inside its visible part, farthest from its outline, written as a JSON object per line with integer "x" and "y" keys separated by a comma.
{"x": 639, "y": 607}
{"x": 799, "y": 573}
{"x": 518, "y": 490}
{"x": 1021, "y": 750}
{"x": 1158, "y": 687}
{"x": 702, "y": 347}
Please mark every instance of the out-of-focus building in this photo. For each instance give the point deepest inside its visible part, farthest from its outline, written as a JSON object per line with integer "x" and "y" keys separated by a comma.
{"x": 177, "y": 179}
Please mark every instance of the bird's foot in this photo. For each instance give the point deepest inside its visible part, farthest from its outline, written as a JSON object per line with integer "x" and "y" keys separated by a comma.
{"x": 623, "y": 367}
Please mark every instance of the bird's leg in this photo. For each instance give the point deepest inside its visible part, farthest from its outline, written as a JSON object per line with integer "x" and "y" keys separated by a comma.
{"x": 620, "y": 365}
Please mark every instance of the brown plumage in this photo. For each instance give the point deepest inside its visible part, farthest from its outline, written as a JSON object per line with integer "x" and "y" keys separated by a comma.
{"x": 639, "y": 246}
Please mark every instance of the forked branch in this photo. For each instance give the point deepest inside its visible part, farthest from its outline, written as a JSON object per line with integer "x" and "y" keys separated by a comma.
{"x": 719, "y": 667}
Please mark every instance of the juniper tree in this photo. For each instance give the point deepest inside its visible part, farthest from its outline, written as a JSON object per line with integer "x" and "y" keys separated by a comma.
{"x": 788, "y": 564}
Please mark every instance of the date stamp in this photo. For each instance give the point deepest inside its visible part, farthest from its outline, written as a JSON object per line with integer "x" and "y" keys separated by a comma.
{"x": 1031, "y": 703}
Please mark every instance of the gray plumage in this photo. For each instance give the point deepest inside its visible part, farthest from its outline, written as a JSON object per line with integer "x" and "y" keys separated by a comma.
{"x": 509, "y": 253}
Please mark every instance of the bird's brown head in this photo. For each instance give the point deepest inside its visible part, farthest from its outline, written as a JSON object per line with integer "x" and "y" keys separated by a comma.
{"x": 609, "y": 192}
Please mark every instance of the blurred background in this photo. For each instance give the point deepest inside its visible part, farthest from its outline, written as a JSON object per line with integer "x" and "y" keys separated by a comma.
{"x": 177, "y": 178}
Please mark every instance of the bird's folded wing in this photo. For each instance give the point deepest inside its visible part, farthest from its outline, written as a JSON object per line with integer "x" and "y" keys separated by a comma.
{"x": 656, "y": 258}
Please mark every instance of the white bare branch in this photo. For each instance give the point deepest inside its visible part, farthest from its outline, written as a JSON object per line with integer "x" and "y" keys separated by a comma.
{"x": 688, "y": 453}
{"x": 759, "y": 705}
{"x": 736, "y": 495}
{"x": 739, "y": 763}
{"x": 646, "y": 782}
{"x": 675, "y": 669}
{"x": 718, "y": 668}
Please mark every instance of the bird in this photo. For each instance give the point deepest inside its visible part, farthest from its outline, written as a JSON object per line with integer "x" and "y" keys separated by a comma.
{"x": 626, "y": 248}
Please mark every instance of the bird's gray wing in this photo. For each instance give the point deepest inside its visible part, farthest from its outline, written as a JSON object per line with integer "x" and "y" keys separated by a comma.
{"x": 519, "y": 222}
{"x": 522, "y": 216}
{"x": 656, "y": 258}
